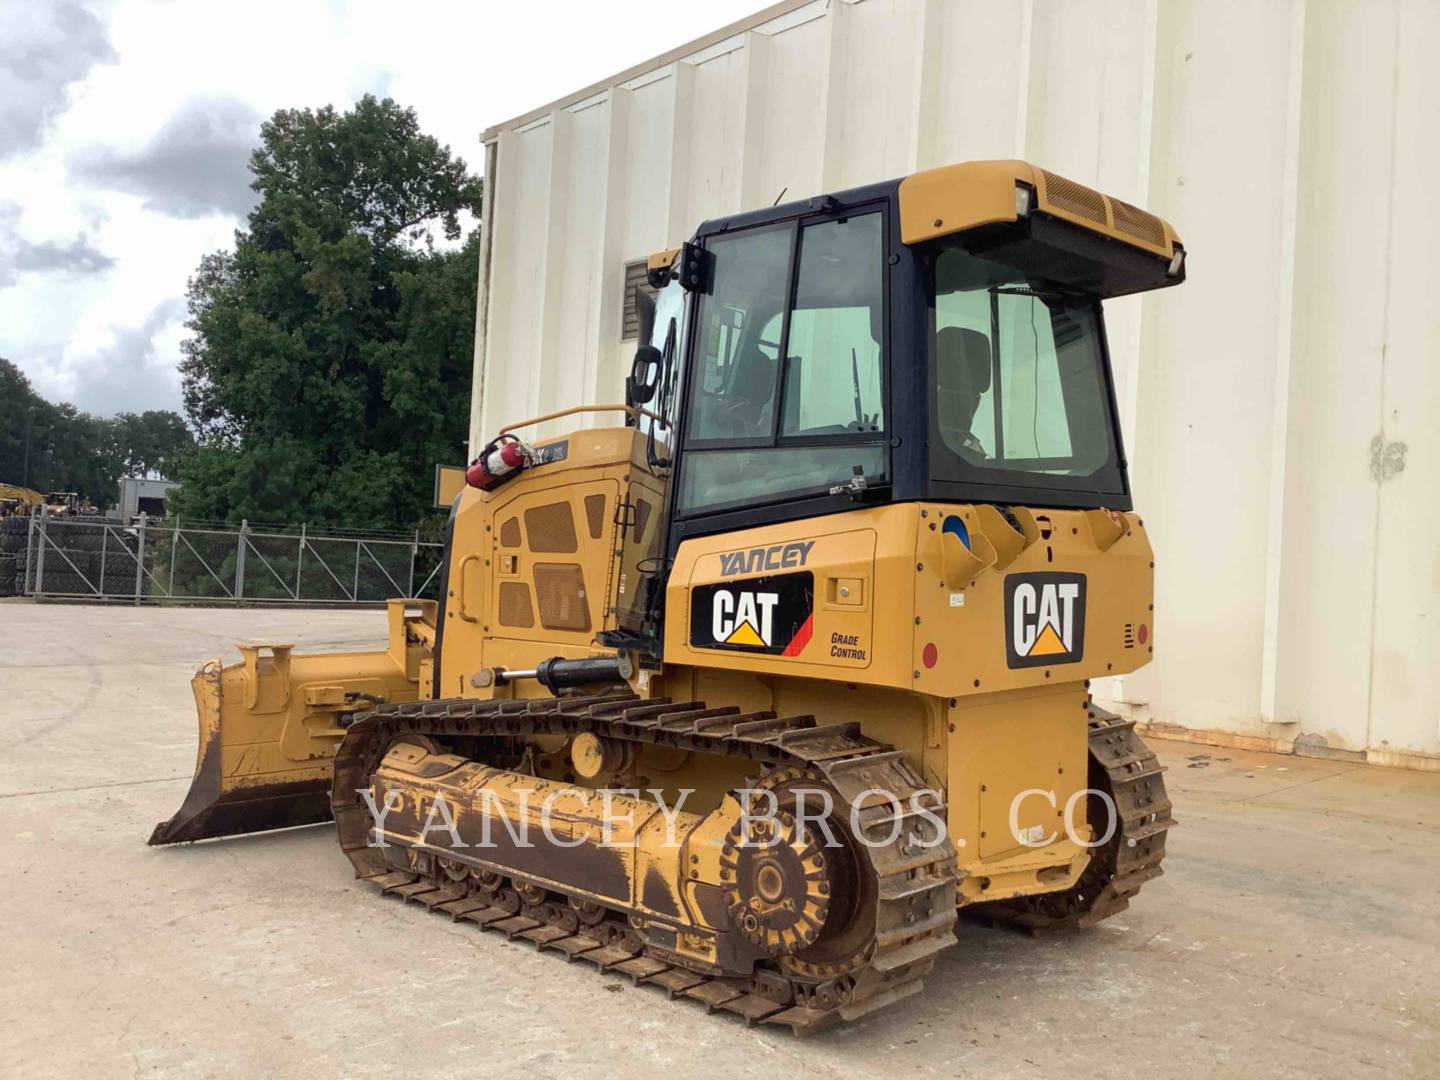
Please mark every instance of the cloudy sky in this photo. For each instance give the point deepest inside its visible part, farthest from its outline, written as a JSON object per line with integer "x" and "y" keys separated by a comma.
{"x": 125, "y": 127}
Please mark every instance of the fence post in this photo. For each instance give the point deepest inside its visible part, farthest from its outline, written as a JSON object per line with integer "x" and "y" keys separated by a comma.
{"x": 104, "y": 543}
{"x": 140, "y": 558}
{"x": 27, "y": 587}
{"x": 355, "y": 590}
{"x": 299, "y": 560}
{"x": 414, "y": 550}
{"x": 40, "y": 555}
{"x": 240, "y": 560}
{"x": 174, "y": 546}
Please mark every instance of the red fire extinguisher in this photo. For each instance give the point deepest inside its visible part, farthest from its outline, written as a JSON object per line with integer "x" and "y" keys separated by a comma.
{"x": 501, "y": 460}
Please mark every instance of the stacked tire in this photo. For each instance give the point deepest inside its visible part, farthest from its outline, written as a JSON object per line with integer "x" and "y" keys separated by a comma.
{"x": 13, "y": 533}
{"x": 72, "y": 557}
{"x": 121, "y": 549}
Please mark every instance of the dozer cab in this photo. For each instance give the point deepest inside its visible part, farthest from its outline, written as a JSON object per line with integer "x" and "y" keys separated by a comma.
{"x": 748, "y": 693}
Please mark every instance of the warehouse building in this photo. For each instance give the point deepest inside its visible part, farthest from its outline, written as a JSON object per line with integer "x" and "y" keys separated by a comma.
{"x": 1280, "y": 409}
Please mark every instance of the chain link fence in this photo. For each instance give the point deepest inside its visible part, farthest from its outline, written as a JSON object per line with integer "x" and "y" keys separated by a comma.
{"x": 185, "y": 562}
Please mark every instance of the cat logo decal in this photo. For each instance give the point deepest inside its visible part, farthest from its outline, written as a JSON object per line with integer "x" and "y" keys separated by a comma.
{"x": 772, "y": 615}
{"x": 1044, "y": 619}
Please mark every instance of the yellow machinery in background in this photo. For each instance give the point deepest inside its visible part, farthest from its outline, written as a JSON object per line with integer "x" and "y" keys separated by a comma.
{"x": 747, "y": 694}
{"x": 67, "y": 504}
{"x": 16, "y": 506}
{"x": 18, "y": 501}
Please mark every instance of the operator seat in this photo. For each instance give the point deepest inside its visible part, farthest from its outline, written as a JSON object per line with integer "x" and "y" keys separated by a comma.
{"x": 752, "y": 392}
{"x": 962, "y": 362}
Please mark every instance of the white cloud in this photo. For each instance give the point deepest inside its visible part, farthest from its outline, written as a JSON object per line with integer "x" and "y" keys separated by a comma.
{"x": 73, "y": 257}
{"x": 125, "y": 122}
{"x": 128, "y": 372}
{"x": 44, "y": 49}
{"x": 197, "y": 164}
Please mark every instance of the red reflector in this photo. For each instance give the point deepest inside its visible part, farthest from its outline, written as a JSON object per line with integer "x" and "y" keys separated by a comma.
{"x": 1142, "y": 633}
{"x": 931, "y": 655}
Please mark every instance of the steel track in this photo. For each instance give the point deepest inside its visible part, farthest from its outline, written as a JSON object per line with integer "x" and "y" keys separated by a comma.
{"x": 915, "y": 886}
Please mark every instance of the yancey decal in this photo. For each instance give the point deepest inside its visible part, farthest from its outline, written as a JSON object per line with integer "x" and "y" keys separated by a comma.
{"x": 551, "y": 453}
{"x": 773, "y": 615}
{"x": 754, "y": 560}
{"x": 1044, "y": 619}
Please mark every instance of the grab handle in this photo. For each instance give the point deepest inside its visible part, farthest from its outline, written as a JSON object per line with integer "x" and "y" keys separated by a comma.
{"x": 461, "y": 592}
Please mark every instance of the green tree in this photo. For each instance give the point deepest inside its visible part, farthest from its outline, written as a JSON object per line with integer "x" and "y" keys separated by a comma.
{"x": 153, "y": 441}
{"x": 52, "y": 447}
{"x": 18, "y": 403}
{"x": 330, "y": 364}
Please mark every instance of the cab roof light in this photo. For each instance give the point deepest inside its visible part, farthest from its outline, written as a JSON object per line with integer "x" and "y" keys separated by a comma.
{"x": 1177, "y": 262}
{"x": 1024, "y": 199}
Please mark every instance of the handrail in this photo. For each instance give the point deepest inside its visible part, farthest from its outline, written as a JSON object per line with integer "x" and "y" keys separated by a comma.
{"x": 628, "y": 410}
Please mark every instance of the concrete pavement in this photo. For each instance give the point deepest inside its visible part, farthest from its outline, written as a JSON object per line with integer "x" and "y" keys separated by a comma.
{"x": 1295, "y": 932}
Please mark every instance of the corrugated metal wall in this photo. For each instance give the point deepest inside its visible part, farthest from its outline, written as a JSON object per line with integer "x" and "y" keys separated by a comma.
{"x": 1281, "y": 408}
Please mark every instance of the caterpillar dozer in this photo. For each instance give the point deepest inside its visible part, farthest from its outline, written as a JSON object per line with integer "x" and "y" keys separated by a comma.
{"x": 749, "y": 693}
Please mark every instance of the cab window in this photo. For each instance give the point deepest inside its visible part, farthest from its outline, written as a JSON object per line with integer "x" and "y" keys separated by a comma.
{"x": 761, "y": 427}
{"x": 1020, "y": 395}
{"x": 734, "y": 395}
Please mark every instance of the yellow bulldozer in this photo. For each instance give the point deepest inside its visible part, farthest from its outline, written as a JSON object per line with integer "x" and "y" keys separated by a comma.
{"x": 748, "y": 694}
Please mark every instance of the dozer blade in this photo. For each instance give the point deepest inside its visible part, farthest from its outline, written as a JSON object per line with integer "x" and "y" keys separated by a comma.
{"x": 269, "y": 727}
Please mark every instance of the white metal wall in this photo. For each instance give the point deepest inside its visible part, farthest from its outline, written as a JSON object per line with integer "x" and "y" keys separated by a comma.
{"x": 1280, "y": 408}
